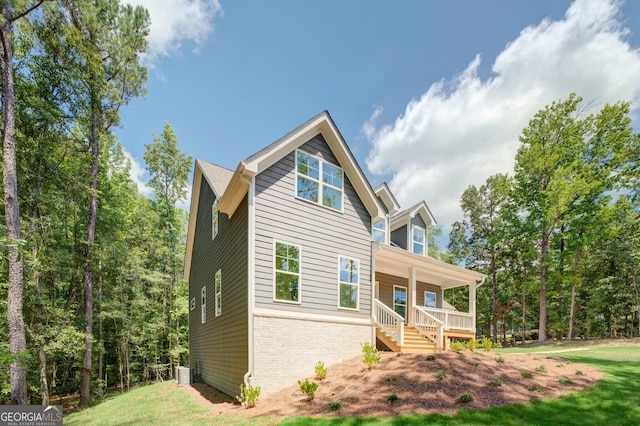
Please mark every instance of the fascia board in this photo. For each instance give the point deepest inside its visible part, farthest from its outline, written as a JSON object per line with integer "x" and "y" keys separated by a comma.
{"x": 193, "y": 216}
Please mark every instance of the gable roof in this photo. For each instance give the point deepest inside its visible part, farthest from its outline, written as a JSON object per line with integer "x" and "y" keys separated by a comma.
{"x": 386, "y": 196}
{"x": 320, "y": 124}
{"x": 230, "y": 186}
{"x": 405, "y": 216}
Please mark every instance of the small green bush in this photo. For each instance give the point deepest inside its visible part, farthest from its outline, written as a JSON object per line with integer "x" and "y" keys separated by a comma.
{"x": 441, "y": 375}
{"x": 472, "y": 345}
{"x": 371, "y": 355}
{"x": 308, "y": 388}
{"x": 500, "y": 359}
{"x": 542, "y": 369}
{"x": 390, "y": 379}
{"x": 334, "y": 405}
{"x": 564, "y": 381}
{"x": 248, "y": 396}
{"x": 392, "y": 397}
{"x": 321, "y": 370}
{"x": 579, "y": 373}
{"x": 430, "y": 358}
{"x": 465, "y": 397}
{"x": 535, "y": 388}
{"x": 495, "y": 383}
{"x": 456, "y": 346}
{"x": 487, "y": 344}
{"x": 525, "y": 374}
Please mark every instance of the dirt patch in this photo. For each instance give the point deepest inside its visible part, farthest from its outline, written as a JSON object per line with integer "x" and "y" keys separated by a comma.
{"x": 419, "y": 385}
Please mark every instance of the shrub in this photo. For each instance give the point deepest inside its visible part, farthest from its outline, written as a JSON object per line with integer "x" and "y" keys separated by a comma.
{"x": 487, "y": 344}
{"x": 497, "y": 345}
{"x": 392, "y": 397}
{"x": 525, "y": 374}
{"x": 334, "y": 405}
{"x": 390, "y": 379}
{"x": 564, "y": 381}
{"x": 542, "y": 369}
{"x": 500, "y": 359}
{"x": 465, "y": 397}
{"x": 472, "y": 345}
{"x": 430, "y": 358}
{"x": 441, "y": 375}
{"x": 248, "y": 396}
{"x": 579, "y": 373}
{"x": 371, "y": 355}
{"x": 535, "y": 388}
{"x": 308, "y": 388}
{"x": 495, "y": 383}
{"x": 456, "y": 346}
{"x": 321, "y": 370}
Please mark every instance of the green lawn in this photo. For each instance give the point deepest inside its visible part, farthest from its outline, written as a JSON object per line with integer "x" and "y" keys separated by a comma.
{"x": 615, "y": 400}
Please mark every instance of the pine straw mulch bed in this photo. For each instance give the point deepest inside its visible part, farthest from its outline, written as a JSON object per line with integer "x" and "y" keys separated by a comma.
{"x": 365, "y": 393}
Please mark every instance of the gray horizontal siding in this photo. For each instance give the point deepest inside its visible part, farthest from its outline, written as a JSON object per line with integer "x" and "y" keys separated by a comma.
{"x": 322, "y": 234}
{"x": 385, "y": 288}
{"x": 219, "y": 348}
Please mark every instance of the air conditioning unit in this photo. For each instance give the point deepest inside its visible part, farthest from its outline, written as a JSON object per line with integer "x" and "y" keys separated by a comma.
{"x": 184, "y": 376}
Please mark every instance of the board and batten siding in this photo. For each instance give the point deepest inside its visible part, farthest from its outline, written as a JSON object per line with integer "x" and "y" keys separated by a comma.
{"x": 321, "y": 233}
{"x": 218, "y": 349}
{"x": 386, "y": 283}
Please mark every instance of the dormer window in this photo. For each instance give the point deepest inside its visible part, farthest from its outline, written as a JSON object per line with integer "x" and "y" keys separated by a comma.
{"x": 379, "y": 232}
{"x": 318, "y": 181}
{"x": 418, "y": 234}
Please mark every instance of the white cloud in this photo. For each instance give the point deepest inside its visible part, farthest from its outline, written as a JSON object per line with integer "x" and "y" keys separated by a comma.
{"x": 139, "y": 176}
{"x": 176, "y": 21}
{"x": 462, "y": 131}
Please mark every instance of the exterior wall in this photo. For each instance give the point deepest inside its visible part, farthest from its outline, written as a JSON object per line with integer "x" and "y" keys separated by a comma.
{"x": 386, "y": 283}
{"x": 287, "y": 350}
{"x": 399, "y": 237}
{"x": 218, "y": 349}
{"x": 417, "y": 220}
{"x": 321, "y": 233}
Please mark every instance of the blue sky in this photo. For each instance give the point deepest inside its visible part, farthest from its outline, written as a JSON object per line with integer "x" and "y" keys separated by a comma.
{"x": 430, "y": 95}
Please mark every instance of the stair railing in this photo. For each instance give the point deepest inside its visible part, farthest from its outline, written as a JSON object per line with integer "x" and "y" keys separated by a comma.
{"x": 389, "y": 321}
{"x": 429, "y": 326}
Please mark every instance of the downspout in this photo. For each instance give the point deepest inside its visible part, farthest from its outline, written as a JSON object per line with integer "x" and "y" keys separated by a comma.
{"x": 250, "y": 279}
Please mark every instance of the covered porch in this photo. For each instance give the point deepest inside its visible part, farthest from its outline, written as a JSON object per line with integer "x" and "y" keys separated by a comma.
{"x": 409, "y": 309}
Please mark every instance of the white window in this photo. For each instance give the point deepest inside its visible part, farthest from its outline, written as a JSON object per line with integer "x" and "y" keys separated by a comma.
{"x": 287, "y": 273}
{"x": 318, "y": 181}
{"x": 429, "y": 299}
{"x": 400, "y": 300}
{"x": 193, "y": 303}
{"x": 214, "y": 219}
{"x": 218, "y": 290}
{"x": 349, "y": 282}
{"x": 418, "y": 235}
{"x": 380, "y": 232}
{"x": 203, "y": 304}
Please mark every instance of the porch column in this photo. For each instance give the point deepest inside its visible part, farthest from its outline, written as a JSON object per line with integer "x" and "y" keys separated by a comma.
{"x": 472, "y": 304}
{"x": 412, "y": 295}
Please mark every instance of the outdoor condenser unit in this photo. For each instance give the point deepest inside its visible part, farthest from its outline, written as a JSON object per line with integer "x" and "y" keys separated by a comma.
{"x": 184, "y": 376}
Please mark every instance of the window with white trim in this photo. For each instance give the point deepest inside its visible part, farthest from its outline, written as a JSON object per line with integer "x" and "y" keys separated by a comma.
{"x": 400, "y": 300}
{"x": 349, "y": 282}
{"x": 429, "y": 299}
{"x": 218, "y": 290}
{"x": 214, "y": 219}
{"x": 418, "y": 236}
{"x": 203, "y": 304}
{"x": 286, "y": 273}
{"x": 318, "y": 181}
{"x": 379, "y": 232}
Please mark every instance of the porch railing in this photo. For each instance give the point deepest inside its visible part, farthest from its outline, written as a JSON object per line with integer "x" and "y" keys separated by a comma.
{"x": 452, "y": 319}
{"x": 428, "y": 325}
{"x": 389, "y": 321}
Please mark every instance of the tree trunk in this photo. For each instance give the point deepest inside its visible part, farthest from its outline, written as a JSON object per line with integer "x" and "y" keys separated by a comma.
{"x": 15, "y": 319}
{"x": 494, "y": 300}
{"x": 542, "y": 326}
{"x": 44, "y": 388}
{"x": 634, "y": 282}
{"x": 572, "y": 312}
{"x": 85, "y": 379}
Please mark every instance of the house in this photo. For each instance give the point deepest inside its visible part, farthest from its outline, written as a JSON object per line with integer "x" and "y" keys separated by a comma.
{"x": 293, "y": 258}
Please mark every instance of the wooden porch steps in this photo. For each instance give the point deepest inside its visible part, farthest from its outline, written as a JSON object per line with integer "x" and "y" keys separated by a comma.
{"x": 414, "y": 341}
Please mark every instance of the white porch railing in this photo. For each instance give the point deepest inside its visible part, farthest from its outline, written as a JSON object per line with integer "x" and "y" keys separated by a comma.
{"x": 388, "y": 320}
{"x": 452, "y": 319}
{"x": 428, "y": 325}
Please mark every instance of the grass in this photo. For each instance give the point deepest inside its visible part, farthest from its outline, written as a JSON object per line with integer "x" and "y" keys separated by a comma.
{"x": 615, "y": 400}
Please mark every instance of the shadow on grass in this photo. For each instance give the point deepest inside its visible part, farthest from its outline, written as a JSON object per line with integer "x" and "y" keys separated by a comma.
{"x": 615, "y": 400}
